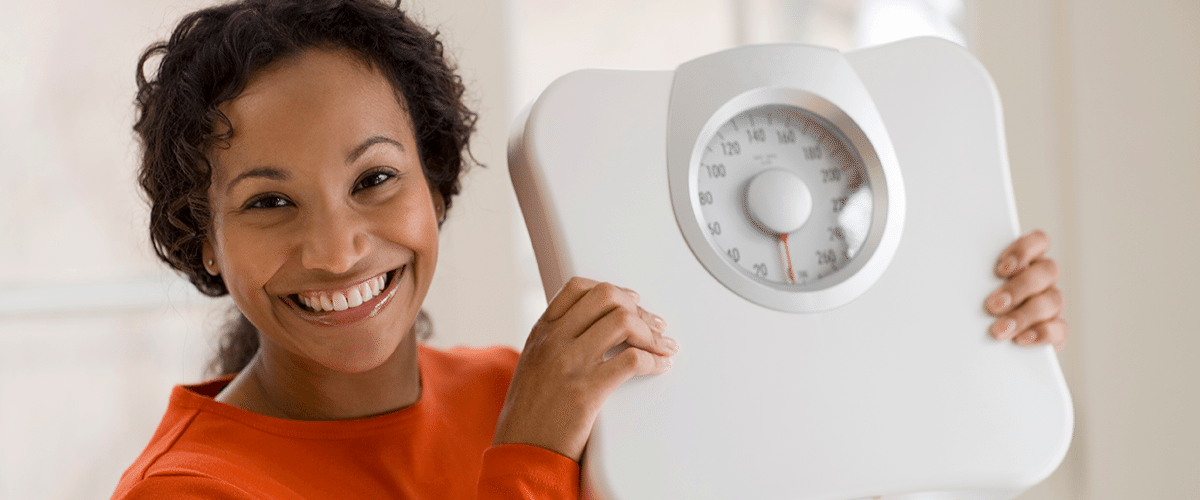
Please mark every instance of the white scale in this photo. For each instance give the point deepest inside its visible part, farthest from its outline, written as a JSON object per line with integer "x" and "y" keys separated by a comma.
{"x": 819, "y": 231}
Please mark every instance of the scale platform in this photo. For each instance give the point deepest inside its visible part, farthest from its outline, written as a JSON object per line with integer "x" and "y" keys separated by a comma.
{"x": 871, "y": 375}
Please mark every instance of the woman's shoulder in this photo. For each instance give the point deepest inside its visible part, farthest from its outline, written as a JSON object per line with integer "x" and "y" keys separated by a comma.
{"x": 200, "y": 476}
{"x": 174, "y": 464}
{"x": 183, "y": 487}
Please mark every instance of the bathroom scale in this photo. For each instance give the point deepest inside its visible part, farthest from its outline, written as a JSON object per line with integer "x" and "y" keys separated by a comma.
{"x": 819, "y": 230}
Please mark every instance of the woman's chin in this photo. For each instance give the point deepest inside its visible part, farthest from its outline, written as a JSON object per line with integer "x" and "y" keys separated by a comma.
{"x": 367, "y": 356}
{"x": 353, "y": 362}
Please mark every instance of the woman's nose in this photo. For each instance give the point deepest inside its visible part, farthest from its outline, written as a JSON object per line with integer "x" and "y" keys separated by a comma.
{"x": 335, "y": 239}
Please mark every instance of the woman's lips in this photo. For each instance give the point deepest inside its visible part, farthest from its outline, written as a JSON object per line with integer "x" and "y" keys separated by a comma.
{"x": 340, "y": 300}
{"x": 367, "y": 309}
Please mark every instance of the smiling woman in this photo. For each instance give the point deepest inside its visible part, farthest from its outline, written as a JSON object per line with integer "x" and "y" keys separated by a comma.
{"x": 300, "y": 156}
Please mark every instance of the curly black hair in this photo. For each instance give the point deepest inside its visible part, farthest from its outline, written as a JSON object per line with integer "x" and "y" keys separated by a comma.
{"x": 208, "y": 60}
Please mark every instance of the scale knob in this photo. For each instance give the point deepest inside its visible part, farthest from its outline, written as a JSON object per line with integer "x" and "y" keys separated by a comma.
{"x": 778, "y": 202}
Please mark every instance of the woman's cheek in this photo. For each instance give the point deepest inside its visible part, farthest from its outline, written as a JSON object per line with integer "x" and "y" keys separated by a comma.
{"x": 250, "y": 256}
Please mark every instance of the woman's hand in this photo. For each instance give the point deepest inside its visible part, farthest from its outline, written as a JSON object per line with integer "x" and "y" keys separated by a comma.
{"x": 1028, "y": 305}
{"x": 562, "y": 378}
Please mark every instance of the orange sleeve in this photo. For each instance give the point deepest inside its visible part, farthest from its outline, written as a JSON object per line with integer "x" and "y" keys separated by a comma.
{"x": 184, "y": 487}
{"x": 526, "y": 472}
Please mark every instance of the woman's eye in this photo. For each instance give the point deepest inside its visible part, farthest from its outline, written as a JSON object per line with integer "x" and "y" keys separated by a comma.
{"x": 373, "y": 179}
{"x": 268, "y": 201}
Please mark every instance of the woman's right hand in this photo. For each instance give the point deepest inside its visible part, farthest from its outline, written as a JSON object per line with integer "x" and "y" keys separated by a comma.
{"x": 562, "y": 378}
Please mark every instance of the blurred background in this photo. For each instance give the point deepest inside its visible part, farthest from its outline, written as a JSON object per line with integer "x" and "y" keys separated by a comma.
{"x": 1102, "y": 110}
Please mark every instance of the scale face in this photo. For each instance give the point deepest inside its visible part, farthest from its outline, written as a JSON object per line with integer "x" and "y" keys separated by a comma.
{"x": 818, "y": 229}
{"x": 780, "y": 186}
{"x": 783, "y": 180}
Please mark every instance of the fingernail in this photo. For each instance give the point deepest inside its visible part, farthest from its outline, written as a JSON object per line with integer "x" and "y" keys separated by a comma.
{"x": 1001, "y": 301}
{"x": 659, "y": 323}
{"x": 1002, "y": 328}
{"x": 1029, "y": 337}
{"x": 672, "y": 345}
{"x": 1008, "y": 265}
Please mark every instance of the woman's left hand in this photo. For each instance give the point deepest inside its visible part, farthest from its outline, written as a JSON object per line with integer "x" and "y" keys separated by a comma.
{"x": 1028, "y": 306}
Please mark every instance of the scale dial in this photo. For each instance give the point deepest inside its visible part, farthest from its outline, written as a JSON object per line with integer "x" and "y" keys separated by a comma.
{"x": 788, "y": 203}
{"x": 783, "y": 196}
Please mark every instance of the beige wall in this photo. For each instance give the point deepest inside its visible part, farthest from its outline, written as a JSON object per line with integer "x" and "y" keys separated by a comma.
{"x": 1102, "y": 102}
{"x": 476, "y": 297}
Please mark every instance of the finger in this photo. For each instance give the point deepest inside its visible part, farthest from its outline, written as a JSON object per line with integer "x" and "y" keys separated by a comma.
{"x": 566, "y": 297}
{"x": 661, "y": 344}
{"x": 628, "y": 364}
{"x": 1021, "y": 253}
{"x": 598, "y": 302}
{"x": 1037, "y": 278}
{"x": 1039, "y": 308}
{"x": 628, "y": 326}
{"x": 655, "y": 322}
{"x": 1053, "y": 332}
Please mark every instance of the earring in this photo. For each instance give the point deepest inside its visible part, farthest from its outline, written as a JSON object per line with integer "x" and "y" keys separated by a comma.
{"x": 209, "y": 267}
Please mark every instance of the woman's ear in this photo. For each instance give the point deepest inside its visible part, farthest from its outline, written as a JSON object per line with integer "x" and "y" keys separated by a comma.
{"x": 210, "y": 264}
{"x": 439, "y": 206}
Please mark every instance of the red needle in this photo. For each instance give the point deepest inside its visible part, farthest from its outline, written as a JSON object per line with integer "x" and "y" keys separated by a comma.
{"x": 788, "y": 253}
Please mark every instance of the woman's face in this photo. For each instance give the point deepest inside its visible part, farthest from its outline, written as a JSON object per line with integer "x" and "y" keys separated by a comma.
{"x": 324, "y": 227}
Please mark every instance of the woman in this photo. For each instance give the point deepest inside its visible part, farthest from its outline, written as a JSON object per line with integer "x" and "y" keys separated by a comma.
{"x": 301, "y": 156}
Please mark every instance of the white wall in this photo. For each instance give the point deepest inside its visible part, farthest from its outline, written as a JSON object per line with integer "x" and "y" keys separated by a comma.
{"x": 478, "y": 293}
{"x": 82, "y": 385}
{"x": 1102, "y": 102}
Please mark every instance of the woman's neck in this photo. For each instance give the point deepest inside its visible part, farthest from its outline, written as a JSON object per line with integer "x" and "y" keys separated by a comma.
{"x": 279, "y": 384}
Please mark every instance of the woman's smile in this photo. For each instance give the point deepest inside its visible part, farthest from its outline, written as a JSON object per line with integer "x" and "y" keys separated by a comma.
{"x": 340, "y": 300}
{"x": 346, "y": 305}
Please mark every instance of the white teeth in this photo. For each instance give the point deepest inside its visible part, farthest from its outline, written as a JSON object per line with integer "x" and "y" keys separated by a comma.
{"x": 342, "y": 300}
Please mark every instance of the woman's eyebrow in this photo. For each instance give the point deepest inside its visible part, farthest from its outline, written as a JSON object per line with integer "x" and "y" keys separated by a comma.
{"x": 263, "y": 172}
{"x": 362, "y": 148}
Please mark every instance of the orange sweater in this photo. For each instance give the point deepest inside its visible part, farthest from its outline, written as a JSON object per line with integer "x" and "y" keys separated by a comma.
{"x": 439, "y": 448}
